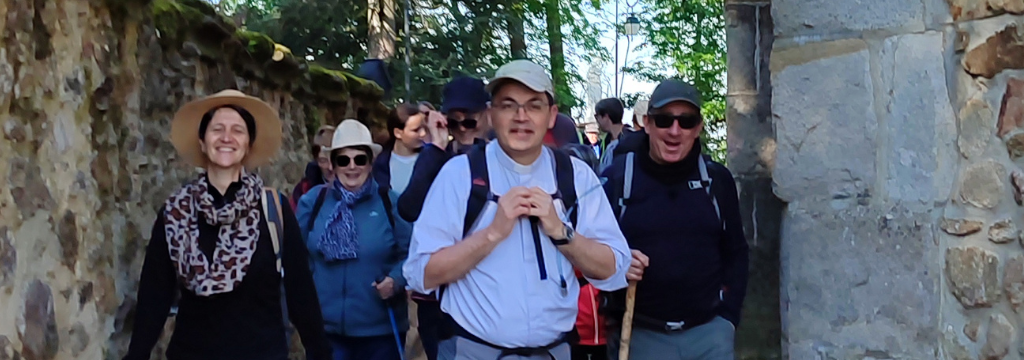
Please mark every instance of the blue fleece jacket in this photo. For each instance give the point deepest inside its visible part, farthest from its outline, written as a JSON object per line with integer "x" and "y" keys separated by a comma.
{"x": 350, "y": 304}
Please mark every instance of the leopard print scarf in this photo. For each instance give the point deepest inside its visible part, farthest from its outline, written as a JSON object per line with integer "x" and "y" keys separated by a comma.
{"x": 237, "y": 235}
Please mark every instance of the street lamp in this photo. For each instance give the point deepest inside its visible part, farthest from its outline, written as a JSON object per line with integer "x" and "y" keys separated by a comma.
{"x": 632, "y": 26}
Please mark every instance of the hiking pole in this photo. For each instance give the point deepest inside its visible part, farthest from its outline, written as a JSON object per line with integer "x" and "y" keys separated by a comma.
{"x": 394, "y": 324}
{"x": 627, "y": 322}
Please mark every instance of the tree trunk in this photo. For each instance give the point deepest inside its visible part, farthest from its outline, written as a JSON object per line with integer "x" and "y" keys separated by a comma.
{"x": 381, "y": 18}
{"x": 557, "y": 55}
{"x": 516, "y": 29}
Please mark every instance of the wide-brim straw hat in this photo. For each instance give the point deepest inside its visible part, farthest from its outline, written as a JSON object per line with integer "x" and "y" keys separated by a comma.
{"x": 353, "y": 133}
{"x": 185, "y": 128}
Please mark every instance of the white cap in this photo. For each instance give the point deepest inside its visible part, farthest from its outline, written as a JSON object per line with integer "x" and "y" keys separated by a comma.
{"x": 526, "y": 72}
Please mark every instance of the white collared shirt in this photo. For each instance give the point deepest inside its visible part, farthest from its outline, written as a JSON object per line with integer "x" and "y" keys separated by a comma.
{"x": 503, "y": 300}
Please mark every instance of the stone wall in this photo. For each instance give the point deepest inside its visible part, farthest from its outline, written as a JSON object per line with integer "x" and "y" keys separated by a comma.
{"x": 898, "y": 155}
{"x": 87, "y": 91}
{"x": 751, "y": 154}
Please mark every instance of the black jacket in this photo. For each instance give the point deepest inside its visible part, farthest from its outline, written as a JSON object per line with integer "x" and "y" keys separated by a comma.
{"x": 428, "y": 165}
{"x": 245, "y": 323}
{"x": 697, "y": 270}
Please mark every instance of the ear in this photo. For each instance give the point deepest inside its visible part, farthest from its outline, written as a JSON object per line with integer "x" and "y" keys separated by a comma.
{"x": 647, "y": 125}
{"x": 554, "y": 117}
{"x": 202, "y": 146}
{"x": 397, "y": 133}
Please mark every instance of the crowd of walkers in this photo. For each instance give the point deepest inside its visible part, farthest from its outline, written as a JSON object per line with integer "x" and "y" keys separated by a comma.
{"x": 515, "y": 235}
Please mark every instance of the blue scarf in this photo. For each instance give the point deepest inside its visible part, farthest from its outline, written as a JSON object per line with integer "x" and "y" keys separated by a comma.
{"x": 339, "y": 239}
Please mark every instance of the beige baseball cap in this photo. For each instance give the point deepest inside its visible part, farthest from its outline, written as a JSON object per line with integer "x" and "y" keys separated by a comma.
{"x": 525, "y": 72}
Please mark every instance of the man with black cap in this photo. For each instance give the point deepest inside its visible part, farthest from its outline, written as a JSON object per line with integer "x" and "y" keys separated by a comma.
{"x": 506, "y": 226}
{"x": 679, "y": 211}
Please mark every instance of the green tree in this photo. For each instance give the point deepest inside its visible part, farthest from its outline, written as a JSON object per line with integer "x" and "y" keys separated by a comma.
{"x": 688, "y": 41}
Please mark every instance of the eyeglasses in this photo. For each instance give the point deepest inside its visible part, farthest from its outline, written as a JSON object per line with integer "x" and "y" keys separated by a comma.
{"x": 534, "y": 109}
{"x": 344, "y": 160}
{"x": 686, "y": 121}
{"x": 466, "y": 123}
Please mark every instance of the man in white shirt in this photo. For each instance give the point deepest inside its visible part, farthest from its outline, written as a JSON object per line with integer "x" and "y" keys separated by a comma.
{"x": 508, "y": 283}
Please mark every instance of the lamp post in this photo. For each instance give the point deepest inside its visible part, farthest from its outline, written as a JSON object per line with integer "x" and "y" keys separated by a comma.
{"x": 630, "y": 28}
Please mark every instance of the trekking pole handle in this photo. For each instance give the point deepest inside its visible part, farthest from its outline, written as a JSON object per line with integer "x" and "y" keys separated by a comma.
{"x": 627, "y": 321}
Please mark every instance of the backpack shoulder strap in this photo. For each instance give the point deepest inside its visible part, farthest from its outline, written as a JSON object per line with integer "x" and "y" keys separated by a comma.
{"x": 481, "y": 188}
{"x": 386, "y": 199}
{"x": 272, "y": 210}
{"x": 316, "y": 207}
{"x": 627, "y": 184}
{"x": 565, "y": 176}
{"x": 705, "y": 180}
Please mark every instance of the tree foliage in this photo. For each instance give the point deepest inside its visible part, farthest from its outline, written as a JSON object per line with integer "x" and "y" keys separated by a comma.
{"x": 688, "y": 42}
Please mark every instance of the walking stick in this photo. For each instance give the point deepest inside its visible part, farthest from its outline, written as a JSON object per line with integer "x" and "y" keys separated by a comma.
{"x": 627, "y": 322}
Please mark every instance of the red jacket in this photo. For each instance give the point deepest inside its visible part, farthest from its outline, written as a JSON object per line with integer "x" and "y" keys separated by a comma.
{"x": 589, "y": 324}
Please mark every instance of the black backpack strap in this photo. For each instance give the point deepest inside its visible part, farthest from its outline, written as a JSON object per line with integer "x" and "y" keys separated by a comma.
{"x": 386, "y": 199}
{"x": 565, "y": 176}
{"x": 627, "y": 184}
{"x": 316, "y": 207}
{"x": 481, "y": 188}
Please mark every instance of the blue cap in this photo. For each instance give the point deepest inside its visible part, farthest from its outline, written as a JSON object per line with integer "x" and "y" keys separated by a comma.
{"x": 466, "y": 94}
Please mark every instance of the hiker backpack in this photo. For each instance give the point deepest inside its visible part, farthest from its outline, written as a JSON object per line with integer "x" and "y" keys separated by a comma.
{"x": 704, "y": 182}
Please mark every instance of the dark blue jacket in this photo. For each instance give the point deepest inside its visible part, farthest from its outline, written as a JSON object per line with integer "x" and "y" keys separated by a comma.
{"x": 697, "y": 270}
{"x": 428, "y": 164}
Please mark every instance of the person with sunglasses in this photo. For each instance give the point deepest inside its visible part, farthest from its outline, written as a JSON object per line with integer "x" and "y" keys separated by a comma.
{"x": 464, "y": 105}
{"x": 357, "y": 246}
{"x": 679, "y": 211}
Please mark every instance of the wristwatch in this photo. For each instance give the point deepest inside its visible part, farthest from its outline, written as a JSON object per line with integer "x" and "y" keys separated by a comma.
{"x": 567, "y": 236}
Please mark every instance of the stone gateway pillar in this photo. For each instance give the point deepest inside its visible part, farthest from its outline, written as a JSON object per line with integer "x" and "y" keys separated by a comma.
{"x": 896, "y": 146}
{"x": 751, "y": 154}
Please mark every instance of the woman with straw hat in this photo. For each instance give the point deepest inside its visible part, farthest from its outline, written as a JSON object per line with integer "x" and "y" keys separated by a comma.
{"x": 357, "y": 245}
{"x": 212, "y": 243}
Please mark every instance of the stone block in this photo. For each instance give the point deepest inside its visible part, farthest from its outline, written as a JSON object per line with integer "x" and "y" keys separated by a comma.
{"x": 1004, "y": 50}
{"x": 972, "y": 329}
{"x": 853, "y": 281}
{"x": 976, "y": 123}
{"x": 920, "y": 153}
{"x": 963, "y": 10}
{"x": 983, "y": 184}
{"x": 825, "y": 121}
{"x": 8, "y": 259}
{"x": 1003, "y": 231}
{"x": 1000, "y": 335}
{"x": 39, "y": 338}
{"x": 960, "y": 227}
{"x": 1017, "y": 179}
{"x": 973, "y": 276}
{"x": 1011, "y": 110}
{"x": 793, "y": 17}
{"x": 1013, "y": 283}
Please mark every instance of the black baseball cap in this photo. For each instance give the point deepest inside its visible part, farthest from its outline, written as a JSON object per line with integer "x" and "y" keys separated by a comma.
{"x": 672, "y": 90}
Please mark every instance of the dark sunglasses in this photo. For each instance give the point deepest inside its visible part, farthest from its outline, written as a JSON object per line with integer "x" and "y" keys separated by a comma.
{"x": 466, "y": 123}
{"x": 686, "y": 121}
{"x": 344, "y": 160}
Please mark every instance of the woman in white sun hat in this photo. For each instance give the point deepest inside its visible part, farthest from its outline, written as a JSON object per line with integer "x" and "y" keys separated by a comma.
{"x": 212, "y": 243}
{"x": 357, "y": 246}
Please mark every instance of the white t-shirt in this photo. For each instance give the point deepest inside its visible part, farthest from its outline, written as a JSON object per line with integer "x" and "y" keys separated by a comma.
{"x": 503, "y": 300}
{"x": 401, "y": 171}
